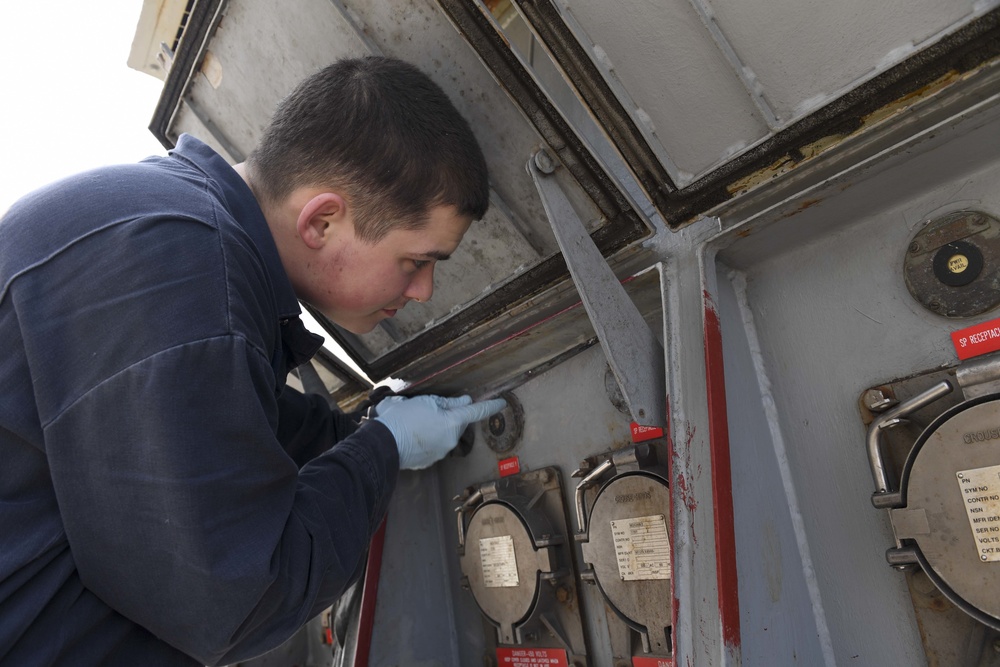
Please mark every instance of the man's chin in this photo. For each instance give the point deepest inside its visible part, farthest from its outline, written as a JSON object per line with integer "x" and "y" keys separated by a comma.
{"x": 358, "y": 327}
{"x": 363, "y": 325}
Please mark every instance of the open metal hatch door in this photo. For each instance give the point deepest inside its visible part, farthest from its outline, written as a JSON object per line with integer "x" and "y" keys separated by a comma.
{"x": 710, "y": 99}
{"x": 236, "y": 60}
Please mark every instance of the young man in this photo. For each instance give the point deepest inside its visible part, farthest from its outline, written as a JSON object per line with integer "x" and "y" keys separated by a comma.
{"x": 166, "y": 499}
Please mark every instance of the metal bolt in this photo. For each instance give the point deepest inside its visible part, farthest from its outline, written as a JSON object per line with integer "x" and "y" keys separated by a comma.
{"x": 563, "y": 594}
{"x": 876, "y": 400}
{"x": 545, "y": 162}
{"x": 914, "y": 247}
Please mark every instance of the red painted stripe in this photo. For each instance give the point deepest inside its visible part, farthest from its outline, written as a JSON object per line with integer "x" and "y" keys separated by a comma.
{"x": 722, "y": 479}
{"x": 674, "y": 602}
{"x": 369, "y": 594}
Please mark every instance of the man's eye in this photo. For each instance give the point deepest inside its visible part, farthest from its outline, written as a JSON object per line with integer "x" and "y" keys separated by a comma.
{"x": 420, "y": 263}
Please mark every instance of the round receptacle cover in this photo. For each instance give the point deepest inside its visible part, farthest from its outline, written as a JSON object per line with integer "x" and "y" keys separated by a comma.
{"x": 501, "y": 564}
{"x": 628, "y": 546}
{"x": 951, "y": 484}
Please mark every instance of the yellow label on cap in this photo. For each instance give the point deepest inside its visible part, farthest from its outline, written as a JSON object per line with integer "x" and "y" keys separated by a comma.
{"x": 958, "y": 263}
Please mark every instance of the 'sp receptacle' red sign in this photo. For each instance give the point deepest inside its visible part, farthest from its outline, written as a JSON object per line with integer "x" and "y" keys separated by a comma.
{"x": 977, "y": 339}
{"x": 509, "y": 466}
{"x": 642, "y": 433}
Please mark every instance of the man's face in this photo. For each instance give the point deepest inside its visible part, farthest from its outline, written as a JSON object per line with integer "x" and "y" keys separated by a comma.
{"x": 357, "y": 284}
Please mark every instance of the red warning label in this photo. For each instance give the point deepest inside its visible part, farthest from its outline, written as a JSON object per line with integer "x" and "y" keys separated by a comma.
{"x": 651, "y": 662}
{"x": 977, "y": 339}
{"x": 642, "y": 433}
{"x": 509, "y": 466}
{"x": 531, "y": 657}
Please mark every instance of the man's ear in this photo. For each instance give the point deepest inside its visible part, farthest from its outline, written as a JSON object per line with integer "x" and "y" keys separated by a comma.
{"x": 320, "y": 217}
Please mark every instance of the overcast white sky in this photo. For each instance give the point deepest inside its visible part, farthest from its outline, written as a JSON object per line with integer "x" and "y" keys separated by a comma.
{"x": 69, "y": 102}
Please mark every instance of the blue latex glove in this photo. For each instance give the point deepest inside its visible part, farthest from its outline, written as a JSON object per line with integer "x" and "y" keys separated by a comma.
{"x": 426, "y": 428}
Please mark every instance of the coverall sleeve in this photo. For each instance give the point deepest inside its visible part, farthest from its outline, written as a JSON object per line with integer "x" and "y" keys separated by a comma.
{"x": 307, "y": 426}
{"x": 184, "y": 513}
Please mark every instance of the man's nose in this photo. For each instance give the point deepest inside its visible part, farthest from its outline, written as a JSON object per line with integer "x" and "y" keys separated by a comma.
{"x": 422, "y": 286}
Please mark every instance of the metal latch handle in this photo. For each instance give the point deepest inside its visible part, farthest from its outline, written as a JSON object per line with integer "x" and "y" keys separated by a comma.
{"x": 892, "y": 418}
{"x": 585, "y": 483}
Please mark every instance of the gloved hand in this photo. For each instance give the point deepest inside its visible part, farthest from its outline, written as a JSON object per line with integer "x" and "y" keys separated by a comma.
{"x": 426, "y": 428}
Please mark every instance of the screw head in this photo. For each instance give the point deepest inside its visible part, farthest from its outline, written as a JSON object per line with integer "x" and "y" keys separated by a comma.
{"x": 545, "y": 162}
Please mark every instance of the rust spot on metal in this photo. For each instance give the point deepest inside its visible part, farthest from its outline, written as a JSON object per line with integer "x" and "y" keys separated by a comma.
{"x": 743, "y": 233}
{"x": 939, "y": 604}
{"x": 808, "y": 203}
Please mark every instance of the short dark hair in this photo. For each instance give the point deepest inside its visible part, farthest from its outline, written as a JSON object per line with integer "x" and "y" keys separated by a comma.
{"x": 385, "y": 134}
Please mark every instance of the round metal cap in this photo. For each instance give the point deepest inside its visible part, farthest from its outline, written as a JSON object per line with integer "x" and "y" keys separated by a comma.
{"x": 957, "y": 263}
{"x": 952, "y": 264}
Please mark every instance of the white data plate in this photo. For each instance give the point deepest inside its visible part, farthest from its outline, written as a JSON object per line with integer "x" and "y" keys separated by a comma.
{"x": 499, "y": 563}
{"x": 981, "y": 498}
{"x": 642, "y": 547}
